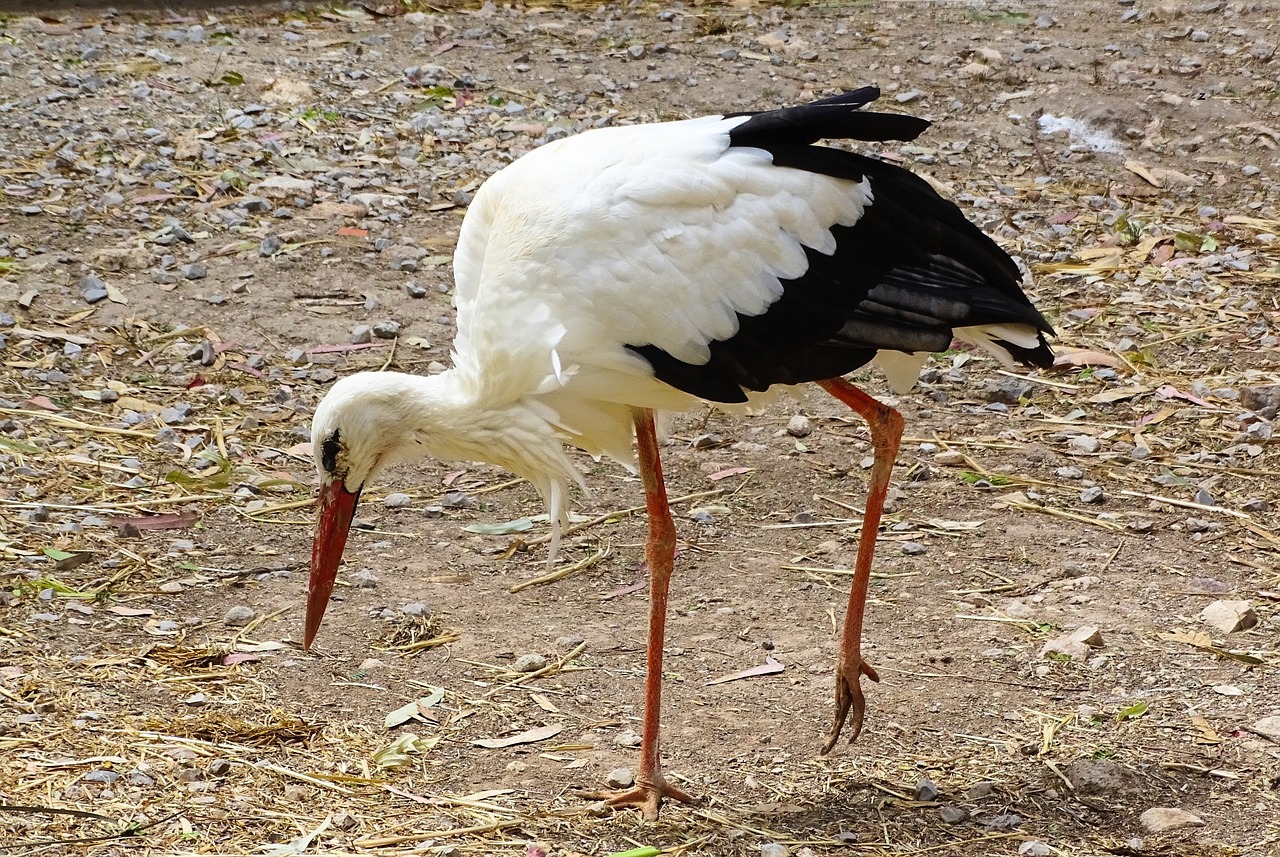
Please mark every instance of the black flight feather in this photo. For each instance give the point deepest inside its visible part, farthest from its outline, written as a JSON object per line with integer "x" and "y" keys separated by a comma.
{"x": 909, "y": 271}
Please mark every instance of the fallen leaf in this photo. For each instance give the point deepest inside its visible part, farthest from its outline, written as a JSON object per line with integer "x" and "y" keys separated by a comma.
{"x": 121, "y": 610}
{"x": 519, "y": 525}
{"x": 418, "y": 709}
{"x": 769, "y": 667}
{"x": 396, "y": 754}
{"x": 1088, "y": 357}
{"x": 234, "y": 658}
{"x": 1118, "y": 394}
{"x": 43, "y": 402}
{"x": 1133, "y": 711}
{"x": 725, "y": 474}
{"x": 624, "y": 590}
{"x": 353, "y": 232}
{"x": 1168, "y": 391}
{"x": 1207, "y": 733}
{"x": 165, "y": 521}
{"x": 529, "y": 736}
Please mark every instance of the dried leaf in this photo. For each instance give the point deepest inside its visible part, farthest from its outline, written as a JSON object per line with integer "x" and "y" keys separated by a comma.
{"x": 1168, "y": 391}
{"x": 725, "y": 474}
{"x": 1133, "y": 711}
{"x": 396, "y": 754}
{"x": 415, "y": 710}
{"x": 529, "y": 736}
{"x": 1087, "y": 357}
{"x": 769, "y": 667}
{"x": 166, "y": 521}
{"x": 506, "y": 528}
{"x": 1117, "y": 394}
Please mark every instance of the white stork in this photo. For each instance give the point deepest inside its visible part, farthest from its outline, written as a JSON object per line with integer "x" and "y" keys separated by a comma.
{"x": 629, "y": 270}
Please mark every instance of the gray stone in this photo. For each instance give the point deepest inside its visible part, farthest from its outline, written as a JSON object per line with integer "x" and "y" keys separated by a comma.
{"x": 980, "y": 789}
{"x": 774, "y": 849}
{"x": 1268, "y": 726}
{"x": 1161, "y": 819}
{"x": 953, "y": 814}
{"x": 417, "y": 608}
{"x": 620, "y": 778}
{"x": 1003, "y": 821}
{"x": 1102, "y": 778}
{"x": 361, "y": 334}
{"x": 1084, "y": 443}
{"x": 913, "y": 548}
{"x": 1009, "y": 391}
{"x": 799, "y": 426}
{"x": 1265, "y": 400}
{"x": 926, "y": 790}
{"x": 627, "y": 738}
{"x": 1229, "y": 616}
{"x": 239, "y": 616}
{"x": 386, "y": 329}
{"x": 194, "y": 271}
{"x": 397, "y": 501}
{"x": 529, "y": 663}
{"x": 1033, "y": 848}
{"x": 1092, "y": 495}
{"x": 102, "y": 775}
{"x": 363, "y": 579}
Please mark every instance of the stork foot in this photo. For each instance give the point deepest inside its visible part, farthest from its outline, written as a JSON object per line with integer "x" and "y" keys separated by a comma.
{"x": 849, "y": 698}
{"x": 646, "y": 795}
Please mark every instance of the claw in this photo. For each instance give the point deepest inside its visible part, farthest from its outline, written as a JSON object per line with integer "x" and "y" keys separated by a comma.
{"x": 849, "y": 700}
{"x": 646, "y": 796}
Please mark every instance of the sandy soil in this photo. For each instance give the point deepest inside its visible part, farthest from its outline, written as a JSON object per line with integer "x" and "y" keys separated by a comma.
{"x": 248, "y": 186}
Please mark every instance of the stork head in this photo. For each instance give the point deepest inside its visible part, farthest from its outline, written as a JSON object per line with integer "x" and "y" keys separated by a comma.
{"x": 361, "y": 425}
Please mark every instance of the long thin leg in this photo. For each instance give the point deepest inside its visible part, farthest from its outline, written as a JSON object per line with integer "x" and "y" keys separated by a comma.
{"x": 659, "y": 552}
{"x": 886, "y": 433}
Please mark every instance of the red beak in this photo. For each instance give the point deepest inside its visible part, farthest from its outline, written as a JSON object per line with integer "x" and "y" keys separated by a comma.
{"x": 335, "y": 510}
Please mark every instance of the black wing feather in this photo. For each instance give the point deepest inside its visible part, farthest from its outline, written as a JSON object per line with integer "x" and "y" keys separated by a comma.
{"x": 909, "y": 271}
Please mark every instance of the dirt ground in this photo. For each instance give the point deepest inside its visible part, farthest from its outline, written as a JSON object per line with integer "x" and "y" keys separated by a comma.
{"x": 199, "y": 206}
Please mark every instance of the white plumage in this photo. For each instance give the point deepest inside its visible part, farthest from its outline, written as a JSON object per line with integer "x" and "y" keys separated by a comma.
{"x": 649, "y": 268}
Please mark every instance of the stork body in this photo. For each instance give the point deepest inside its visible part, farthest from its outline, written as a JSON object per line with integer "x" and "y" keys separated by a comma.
{"x": 627, "y": 270}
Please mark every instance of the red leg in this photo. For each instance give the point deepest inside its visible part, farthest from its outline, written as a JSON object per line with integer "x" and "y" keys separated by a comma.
{"x": 886, "y": 432}
{"x": 659, "y": 552}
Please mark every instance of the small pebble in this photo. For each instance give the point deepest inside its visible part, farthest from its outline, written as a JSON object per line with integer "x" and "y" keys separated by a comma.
{"x": 239, "y": 616}
{"x": 913, "y": 548}
{"x": 529, "y": 663}
{"x": 194, "y": 271}
{"x": 1084, "y": 443}
{"x": 774, "y": 849}
{"x": 364, "y": 579}
{"x": 953, "y": 815}
{"x": 620, "y": 778}
{"x": 361, "y": 334}
{"x": 799, "y": 426}
{"x": 627, "y": 738}
{"x": 386, "y": 329}
{"x": 1092, "y": 495}
{"x": 397, "y": 501}
{"x": 417, "y": 608}
{"x": 926, "y": 790}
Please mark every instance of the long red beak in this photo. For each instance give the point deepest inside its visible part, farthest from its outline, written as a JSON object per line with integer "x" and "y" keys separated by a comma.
{"x": 335, "y": 510}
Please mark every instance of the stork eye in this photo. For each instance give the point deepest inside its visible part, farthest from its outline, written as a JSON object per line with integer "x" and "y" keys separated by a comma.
{"x": 329, "y": 452}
